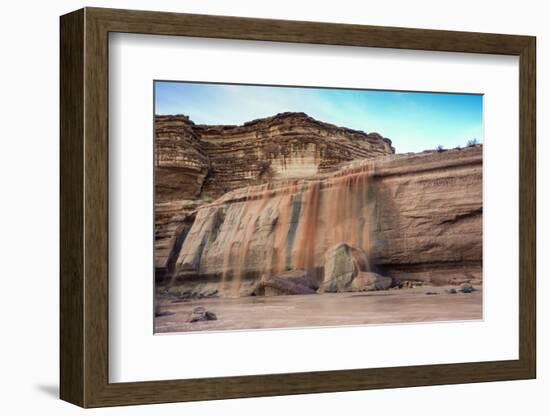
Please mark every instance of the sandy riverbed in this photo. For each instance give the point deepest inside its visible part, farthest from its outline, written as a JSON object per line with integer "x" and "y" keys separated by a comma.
{"x": 329, "y": 309}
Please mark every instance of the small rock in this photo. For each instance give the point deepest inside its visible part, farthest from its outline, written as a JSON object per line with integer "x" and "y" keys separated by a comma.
{"x": 412, "y": 284}
{"x": 164, "y": 313}
{"x": 291, "y": 282}
{"x": 200, "y": 314}
{"x": 210, "y": 293}
{"x": 466, "y": 288}
{"x": 368, "y": 281}
{"x": 210, "y": 316}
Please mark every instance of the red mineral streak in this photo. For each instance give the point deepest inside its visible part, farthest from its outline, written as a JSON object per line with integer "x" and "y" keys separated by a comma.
{"x": 339, "y": 206}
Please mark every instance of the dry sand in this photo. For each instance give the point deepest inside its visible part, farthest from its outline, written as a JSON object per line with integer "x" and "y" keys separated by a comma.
{"x": 329, "y": 309}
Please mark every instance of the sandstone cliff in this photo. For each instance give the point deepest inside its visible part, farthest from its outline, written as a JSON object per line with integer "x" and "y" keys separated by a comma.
{"x": 198, "y": 161}
{"x": 173, "y": 220}
{"x": 181, "y": 163}
{"x": 414, "y": 217}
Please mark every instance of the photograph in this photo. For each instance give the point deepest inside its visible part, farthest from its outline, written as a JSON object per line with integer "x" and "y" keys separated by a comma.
{"x": 286, "y": 206}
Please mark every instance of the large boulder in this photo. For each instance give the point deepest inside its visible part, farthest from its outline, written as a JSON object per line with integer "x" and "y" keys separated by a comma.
{"x": 340, "y": 269}
{"x": 343, "y": 263}
{"x": 346, "y": 271}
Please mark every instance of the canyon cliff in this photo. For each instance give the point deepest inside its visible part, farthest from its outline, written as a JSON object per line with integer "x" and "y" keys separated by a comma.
{"x": 288, "y": 204}
{"x": 200, "y": 161}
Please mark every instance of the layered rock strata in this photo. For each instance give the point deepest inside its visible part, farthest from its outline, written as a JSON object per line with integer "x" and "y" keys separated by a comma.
{"x": 200, "y": 161}
{"x": 416, "y": 217}
{"x": 181, "y": 163}
{"x": 173, "y": 220}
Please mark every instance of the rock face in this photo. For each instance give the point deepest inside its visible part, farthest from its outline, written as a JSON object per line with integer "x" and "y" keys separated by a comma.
{"x": 181, "y": 163}
{"x": 199, "y": 161}
{"x": 414, "y": 216}
{"x": 429, "y": 210}
{"x": 173, "y": 220}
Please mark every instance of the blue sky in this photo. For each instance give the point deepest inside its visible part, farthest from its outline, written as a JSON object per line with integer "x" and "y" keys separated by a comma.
{"x": 414, "y": 121}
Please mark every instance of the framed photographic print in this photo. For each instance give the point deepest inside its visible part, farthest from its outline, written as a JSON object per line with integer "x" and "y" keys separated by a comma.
{"x": 255, "y": 207}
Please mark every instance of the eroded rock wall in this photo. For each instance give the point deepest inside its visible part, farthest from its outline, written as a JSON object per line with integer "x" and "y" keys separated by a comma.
{"x": 200, "y": 161}
{"x": 173, "y": 220}
{"x": 429, "y": 211}
{"x": 418, "y": 217}
{"x": 181, "y": 163}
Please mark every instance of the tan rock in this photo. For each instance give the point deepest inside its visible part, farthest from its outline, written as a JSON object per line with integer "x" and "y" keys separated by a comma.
{"x": 420, "y": 220}
{"x": 181, "y": 163}
{"x": 199, "y": 161}
{"x": 343, "y": 263}
{"x": 173, "y": 220}
{"x": 293, "y": 282}
{"x": 429, "y": 216}
{"x": 367, "y": 281}
{"x": 282, "y": 191}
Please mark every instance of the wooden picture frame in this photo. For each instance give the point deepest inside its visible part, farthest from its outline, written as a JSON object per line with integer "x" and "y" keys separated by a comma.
{"x": 84, "y": 207}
